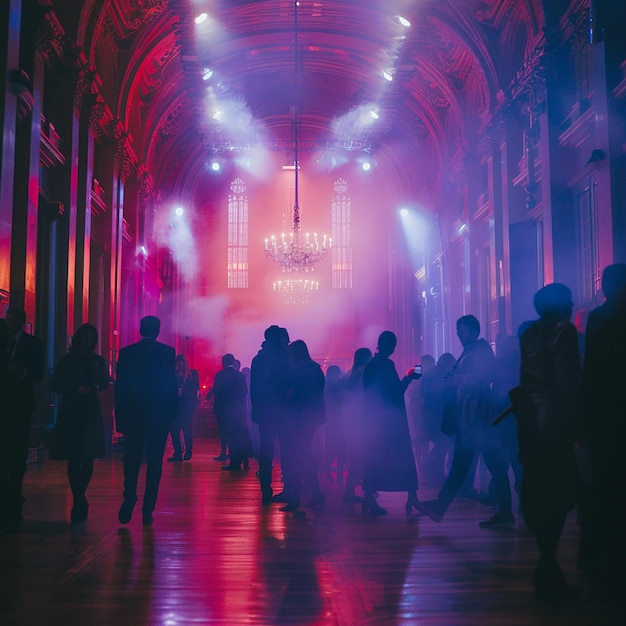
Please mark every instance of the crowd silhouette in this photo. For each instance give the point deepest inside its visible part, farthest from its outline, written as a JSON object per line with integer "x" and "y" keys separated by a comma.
{"x": 563, "y": 445}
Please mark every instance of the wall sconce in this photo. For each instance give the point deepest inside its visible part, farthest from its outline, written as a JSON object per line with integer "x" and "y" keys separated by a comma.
{"x": 597, "y": 156}
{"x": 22, "y": 87}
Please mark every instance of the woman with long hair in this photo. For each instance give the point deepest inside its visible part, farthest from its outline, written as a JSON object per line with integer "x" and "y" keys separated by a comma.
{"x": 188, "y": 386}
{"x": 389, "y": 460}
{"x": 78, "y": 436}
{"x": 354, "y": 416}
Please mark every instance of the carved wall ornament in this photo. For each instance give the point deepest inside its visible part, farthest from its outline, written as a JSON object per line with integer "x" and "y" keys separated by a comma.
{"x": 496, "y": 15}
{"x": 528, "y": 88}
{"x": 457, "y": 173}
{"x": 488, "y": 144}
{"x": 124, "y": 19}
{"x": 50, "y": 38}
{"x": 575, "y": 29}
{"x": 124, "y": 158}
{"x": 452, "y": 56}
{"x": 173, "y": 121}
{"x": 21, "y": 86}
{"x": 85, "y": 89}
{"x": 99, "y": 116}
{"x": 147, "y": 193}
{"x": 152, "y": 78}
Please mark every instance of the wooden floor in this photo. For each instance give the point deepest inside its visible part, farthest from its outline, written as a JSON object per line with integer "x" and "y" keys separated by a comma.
{"x": 216, "y": 556}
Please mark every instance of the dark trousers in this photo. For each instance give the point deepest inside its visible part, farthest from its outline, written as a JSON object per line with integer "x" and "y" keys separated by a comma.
{"x": 298, "y": 465}
{"x": 13, "y": 468}
{"x": 184, "y": 424}
{"x": 496, "y": 463}
{"x": 268, "y": 432}
{"x": 355, "y": 470}
{"x": 433, "y": 467}
{"x": 546, "y": 524}
{"x": 221, "y": 429}
{"x": 151, "y": 442}
{"x": 79, "y": 473}
{"x": 603, "y": 540}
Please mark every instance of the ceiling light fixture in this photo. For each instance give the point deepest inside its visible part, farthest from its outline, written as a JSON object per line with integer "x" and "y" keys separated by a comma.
{"x": 296, "y": 253}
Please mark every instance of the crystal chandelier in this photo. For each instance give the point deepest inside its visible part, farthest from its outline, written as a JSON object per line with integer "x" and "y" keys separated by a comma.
{"x": 295, "y": 290}
{"x": 296, "y": 253}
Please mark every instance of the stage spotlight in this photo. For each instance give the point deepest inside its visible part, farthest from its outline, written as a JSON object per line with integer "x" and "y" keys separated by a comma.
{"x": 200, "y": 19}
{"x": 179, "y": 211}
{"x": 404, "y": 21}
{"x": 215, "y": 166}
{"x": 207, "y": 72}
{"x": 366, "y": 166}
{"x": 404, "y": 212}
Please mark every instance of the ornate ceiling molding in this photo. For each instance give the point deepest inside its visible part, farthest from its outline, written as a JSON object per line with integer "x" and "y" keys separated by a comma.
{"x": 446, "y": 87}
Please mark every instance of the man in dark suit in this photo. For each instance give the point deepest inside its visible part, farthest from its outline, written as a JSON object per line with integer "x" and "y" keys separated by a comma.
{"x": 603, "y": 541}
{"x": 25, "y": 368}
{"x": 268, "y": 396}
{"x": 146, "y": 403}
{"x": 230, "y": 391}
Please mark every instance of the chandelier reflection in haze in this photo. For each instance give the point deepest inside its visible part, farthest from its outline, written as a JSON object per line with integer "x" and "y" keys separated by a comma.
{"x": 296, "y": 253}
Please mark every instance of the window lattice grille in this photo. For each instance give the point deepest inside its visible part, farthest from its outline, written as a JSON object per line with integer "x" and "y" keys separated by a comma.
{"x": 237, "y": 262}
{"x": 342, "y": 236}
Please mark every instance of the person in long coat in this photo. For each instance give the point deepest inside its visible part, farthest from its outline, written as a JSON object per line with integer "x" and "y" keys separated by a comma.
{"x": 13, "y": 406}
{"x": 78, "y": 435}
{"x": 188, "y": 386}
{"x": 548, "y": 417}
{"x": 306, "y": 411}
{"x": 354, "y": 419}
{"x": 25, "y": 368}
{"x": 389, "y": 464}
{"x": 230, "y": 390}
{"x": 268, "y": 397}
{"x": 603, "y": 541}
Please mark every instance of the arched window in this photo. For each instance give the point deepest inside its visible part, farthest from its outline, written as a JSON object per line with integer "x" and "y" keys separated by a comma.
{"x": 237, "y": 235}
{"x": 342, "y": 237}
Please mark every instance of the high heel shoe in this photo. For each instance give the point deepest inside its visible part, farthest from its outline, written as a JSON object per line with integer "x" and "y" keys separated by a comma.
{"x": 372, "y": 507}
{"x": 79, "y": 511}
{"x": 411, "y": 503}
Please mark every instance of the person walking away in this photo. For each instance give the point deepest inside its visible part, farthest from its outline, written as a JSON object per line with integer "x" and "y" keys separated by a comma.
{"x": 354, "y": 419}
{"x": 146, "y": 403}
{"x": 306, "y": 411}
{"x": 24, "y": 367}
{"x": 230, "y": 391}
{"x": 78, "y": 435}
{"x": 603, "y": 541}
{"x": 188, "y": 386}
{"x": 268, "y": 395}
{"x": 547, "y": 408}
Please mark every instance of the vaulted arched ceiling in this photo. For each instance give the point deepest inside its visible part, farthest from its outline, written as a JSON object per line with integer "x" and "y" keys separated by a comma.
{"x": 450, "y": 68}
